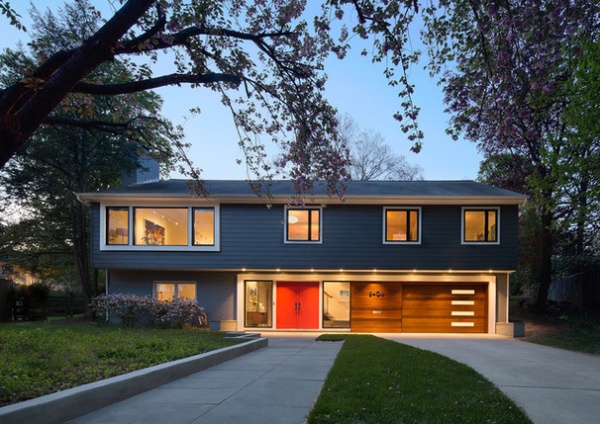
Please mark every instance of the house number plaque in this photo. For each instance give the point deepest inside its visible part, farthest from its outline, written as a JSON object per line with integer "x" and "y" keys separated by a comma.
{"x": 376, "y": 294}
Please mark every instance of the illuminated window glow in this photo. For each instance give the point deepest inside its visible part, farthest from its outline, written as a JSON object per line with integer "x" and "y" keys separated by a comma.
{"x": 170, "y": 291}
{"x": 160, "y": 226}
{"x": 169, "y": 228}
{"x": 401, "y": 225}
{"x": 303, "y": 225}
{"x": 117, "y": 228}
{"x": 480, "y": 225}
{"x": 204, "y": 226}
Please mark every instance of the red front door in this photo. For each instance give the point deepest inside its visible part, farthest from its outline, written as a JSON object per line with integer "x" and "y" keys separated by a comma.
{"x": 297, "y": 305}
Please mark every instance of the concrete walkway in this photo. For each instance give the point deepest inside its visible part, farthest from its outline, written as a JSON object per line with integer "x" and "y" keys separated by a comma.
{"x": 280, "y": 383}
{"x": 275, "y": 384}
{"x": 551, "y": 385}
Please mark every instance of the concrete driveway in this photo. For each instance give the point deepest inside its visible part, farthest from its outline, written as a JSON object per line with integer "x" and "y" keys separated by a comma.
{"x": 551, "y": 385}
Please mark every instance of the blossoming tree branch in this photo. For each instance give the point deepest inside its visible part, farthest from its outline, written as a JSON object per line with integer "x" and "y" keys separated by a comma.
{"x": 264, "y": 58}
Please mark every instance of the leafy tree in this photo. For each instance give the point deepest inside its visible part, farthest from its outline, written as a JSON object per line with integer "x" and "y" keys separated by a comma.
{"x": 265, "y": 59}
{"x": 10, "y": 13}
{"x": 578, "y": 172}
{"x": 59, "y": 161}
{"x": 371, "y": 158}
{"x": 506, "y": 171}
{"x": 511, "y": 172}
{"x": 505, "y": 91}
{"x": 510, "y": 61}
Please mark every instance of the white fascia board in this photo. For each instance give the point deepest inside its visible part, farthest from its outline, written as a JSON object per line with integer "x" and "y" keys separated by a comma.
{"x": 321, "y": 200}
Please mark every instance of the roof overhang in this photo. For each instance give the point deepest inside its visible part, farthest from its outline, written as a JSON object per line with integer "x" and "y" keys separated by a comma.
{"x": 111, "y": 198}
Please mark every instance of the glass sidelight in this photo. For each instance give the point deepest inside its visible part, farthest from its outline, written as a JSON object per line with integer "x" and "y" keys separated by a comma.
{"x": 258, "y": 304}
{"x": 336, "y": 304}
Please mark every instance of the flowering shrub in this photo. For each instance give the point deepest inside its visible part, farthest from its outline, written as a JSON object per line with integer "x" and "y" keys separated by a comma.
{"x": 146, "y": 311}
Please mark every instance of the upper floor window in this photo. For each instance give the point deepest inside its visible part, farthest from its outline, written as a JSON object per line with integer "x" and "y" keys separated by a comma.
{"x": 481, "y": 225}
{"x": 204, "y": 226}
{"x": 160, "y": 226}
{"x": 117, "y": 226}
{"x": 402, "y": 225}
{"x": 170, "y": 228}
{"x": 303, "y": 225}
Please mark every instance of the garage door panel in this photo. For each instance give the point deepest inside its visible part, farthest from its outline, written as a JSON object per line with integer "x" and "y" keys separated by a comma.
{"x": 373, "y": 295}
{"x": 444, "y": 308}
{"x": 440, "y": 309}
{"x": 383, "y": 314}
{"x": 423, "y": 307}
{"x": 435, "y": 291}
{"x": 440, "y": 313}
{"x": 377, "y": 326}
{"x": 376, "y": 307}
{"x": 442, "y": 325}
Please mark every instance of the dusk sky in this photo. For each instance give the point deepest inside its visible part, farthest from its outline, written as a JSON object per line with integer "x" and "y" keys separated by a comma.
{"x": 355, "y": 87}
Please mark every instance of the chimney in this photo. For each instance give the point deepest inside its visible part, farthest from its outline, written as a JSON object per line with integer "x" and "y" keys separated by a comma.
{"x": 146, "y": 171}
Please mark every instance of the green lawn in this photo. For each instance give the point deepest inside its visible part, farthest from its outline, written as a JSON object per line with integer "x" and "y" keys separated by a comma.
{"x": 41, "y": 358}
{"x": 580, "y": 334}
{"x": 372, "y": 381}
{"x": 379, "y": 381}
{"x": 578, "y": 331}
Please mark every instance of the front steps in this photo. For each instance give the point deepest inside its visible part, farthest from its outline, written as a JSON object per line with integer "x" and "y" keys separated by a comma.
{"x": 241, "y": 335}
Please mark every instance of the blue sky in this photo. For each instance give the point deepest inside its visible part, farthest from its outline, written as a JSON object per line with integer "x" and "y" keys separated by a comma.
{"x": 355, "y": 87}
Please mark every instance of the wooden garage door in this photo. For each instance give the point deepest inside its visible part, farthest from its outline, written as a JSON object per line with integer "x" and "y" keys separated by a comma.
{"x": 448, "y": 308}
{"x": 376, "y": 307}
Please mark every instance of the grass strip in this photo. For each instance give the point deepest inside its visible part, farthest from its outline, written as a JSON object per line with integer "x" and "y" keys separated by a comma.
{"x": 40, "y": 358}
{"x": 380, "y": 381}
{"x": 577, "y": 339}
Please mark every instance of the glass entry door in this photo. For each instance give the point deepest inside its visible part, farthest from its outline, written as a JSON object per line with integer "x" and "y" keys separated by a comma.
{"x": 258, "y": 304}
{"x": 336, "y": 304}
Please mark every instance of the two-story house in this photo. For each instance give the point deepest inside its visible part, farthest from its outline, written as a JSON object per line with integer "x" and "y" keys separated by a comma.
{"x": 417, "y": 256}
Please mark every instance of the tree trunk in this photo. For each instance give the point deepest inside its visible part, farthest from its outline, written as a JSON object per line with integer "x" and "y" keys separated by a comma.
{"x": 546, "y": 259}
{"x": 582, "y": 206}
{"x": 80, "y": 253}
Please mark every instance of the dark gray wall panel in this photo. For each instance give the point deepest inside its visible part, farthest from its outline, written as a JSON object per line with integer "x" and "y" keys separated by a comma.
{"x": 215, "y": 291}
{"x": 252, "y": 236}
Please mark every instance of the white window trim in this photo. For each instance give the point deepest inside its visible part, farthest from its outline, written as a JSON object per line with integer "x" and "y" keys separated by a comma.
{"x": 462, "y": 225}
{"x": 419, "y": 224}
{"x": 175, "y": 282}
{"x": 285, "y": 225}
{"x": 137, "y": 248}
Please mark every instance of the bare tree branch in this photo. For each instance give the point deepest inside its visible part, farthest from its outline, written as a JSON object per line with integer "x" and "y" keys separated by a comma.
{"x": 26, "y": 106}
{"x": 149, "y": 84}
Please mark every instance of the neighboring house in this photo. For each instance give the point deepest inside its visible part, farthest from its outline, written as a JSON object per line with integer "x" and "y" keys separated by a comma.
{"x": 412, "y": 256}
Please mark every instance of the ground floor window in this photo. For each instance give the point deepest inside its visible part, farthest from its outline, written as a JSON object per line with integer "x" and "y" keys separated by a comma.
{"x": 258, "y": 304}
{"x": 168, "y": 291}
{"x": 336, "y": 304}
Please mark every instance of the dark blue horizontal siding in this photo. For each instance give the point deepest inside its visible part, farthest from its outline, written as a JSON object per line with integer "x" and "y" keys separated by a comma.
{"x": 213, "y": 289}
{"x": 252, "y": 236}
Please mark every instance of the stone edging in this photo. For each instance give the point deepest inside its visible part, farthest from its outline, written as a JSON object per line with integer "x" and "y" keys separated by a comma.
{"x": 72, "y": 403}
